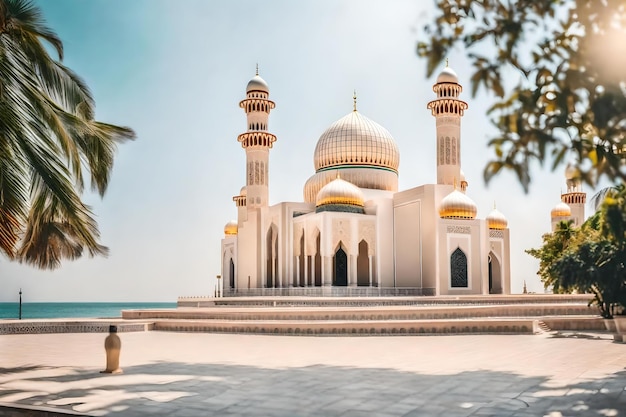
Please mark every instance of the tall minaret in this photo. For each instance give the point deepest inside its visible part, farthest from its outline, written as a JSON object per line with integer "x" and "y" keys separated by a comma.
{"x": 257, "y": 141}
{"x": 574, "y": 197}
{"x": 448, "y": 110}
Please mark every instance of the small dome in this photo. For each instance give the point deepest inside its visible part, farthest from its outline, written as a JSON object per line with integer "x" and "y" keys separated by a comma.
{"x": 457, "y": 205}
{"x": 447, "y": 76}
{"x": 496, "y": 220}
{"x": 561, "y": 210}
{"x": 340, "y": 195}
{"x": 243, "y": 191}
{"x": 257, "y": 84}
{"x": 231, "y": 228}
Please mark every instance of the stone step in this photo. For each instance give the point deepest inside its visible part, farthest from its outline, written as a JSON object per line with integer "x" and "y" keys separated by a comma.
{"x": 341, "y": 327}
{"x": 310, "y": 313}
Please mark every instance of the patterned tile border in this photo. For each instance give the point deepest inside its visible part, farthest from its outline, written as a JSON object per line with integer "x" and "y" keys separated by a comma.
{"x": 36, "y": 327}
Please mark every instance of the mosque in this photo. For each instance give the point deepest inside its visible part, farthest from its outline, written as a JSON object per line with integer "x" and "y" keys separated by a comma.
{"x": 355, "y": 229}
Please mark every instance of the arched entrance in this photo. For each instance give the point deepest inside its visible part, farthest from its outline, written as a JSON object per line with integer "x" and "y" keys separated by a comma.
{"x": 318, "y": 262}
{"x": 340, "y": 268}
{"x": 495, "y": 275}
{"x": 272, "y": 257}
{"x": 363, "y": 266}
{"x": 302, "y": 263}
{"x": 458, "y": 269}
{"x": 231, "y": 272}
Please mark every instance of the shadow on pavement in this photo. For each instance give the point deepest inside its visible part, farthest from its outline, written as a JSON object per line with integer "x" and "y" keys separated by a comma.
{"x": 186, "y": 389}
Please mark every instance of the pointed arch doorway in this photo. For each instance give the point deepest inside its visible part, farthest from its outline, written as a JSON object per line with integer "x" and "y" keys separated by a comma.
{"x": 340, "y": 268}
{"x": 495, "y": 274}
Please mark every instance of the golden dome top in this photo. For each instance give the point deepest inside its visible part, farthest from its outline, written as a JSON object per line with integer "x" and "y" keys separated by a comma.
{"x": 340, "y": 195}
{"x": 457, "y": 205}
{"x": 231, "y": 228}
{"x": 355, "y": 140}
{"x": 496, "y": 220}
{"x": 561, "y": 210}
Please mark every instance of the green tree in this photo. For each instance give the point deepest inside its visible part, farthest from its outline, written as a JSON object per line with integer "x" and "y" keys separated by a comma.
{"x": 566, "y": 58}
{"x": 592, "y": 258}
{"x": 554, "y": 246}
{"x": 49, "y": 143}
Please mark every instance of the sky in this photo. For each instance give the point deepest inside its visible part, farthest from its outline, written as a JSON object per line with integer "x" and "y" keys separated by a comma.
{"x": 175, "y": 72}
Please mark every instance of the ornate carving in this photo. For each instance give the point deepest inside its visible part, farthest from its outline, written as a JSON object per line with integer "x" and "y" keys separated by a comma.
{"x": 454, "y": 151}
{"x": 441, "y": 150}
{"x": 459, "y": 229}
{"x": 442, "y": 120}
{"x": 496, "y": 233}
{"x": 367, "y": 232}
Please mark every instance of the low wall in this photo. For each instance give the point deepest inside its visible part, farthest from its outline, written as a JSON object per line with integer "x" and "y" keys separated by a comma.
{"x": 38, "y": 327}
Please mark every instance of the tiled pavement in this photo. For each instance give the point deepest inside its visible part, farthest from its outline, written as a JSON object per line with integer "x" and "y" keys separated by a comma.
{"x": 196, "y": 374}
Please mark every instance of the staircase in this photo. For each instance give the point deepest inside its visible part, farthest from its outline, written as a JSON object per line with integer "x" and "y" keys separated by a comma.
{"x": 494, "y": 314}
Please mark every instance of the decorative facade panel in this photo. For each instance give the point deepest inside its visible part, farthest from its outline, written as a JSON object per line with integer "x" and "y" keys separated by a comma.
{"x": 459, "y": 229}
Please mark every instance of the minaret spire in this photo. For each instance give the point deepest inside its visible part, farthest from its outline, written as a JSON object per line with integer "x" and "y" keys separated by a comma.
{"x": 448, "y": 111}
{"x": 257, "y": 141}
{"x": 354, "y": 98}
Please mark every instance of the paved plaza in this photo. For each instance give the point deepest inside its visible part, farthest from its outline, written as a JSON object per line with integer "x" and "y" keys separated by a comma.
{"x": 199, "y": 374}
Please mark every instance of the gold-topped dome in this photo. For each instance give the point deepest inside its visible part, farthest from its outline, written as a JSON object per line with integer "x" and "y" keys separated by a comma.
{"x": 340, "y": 195}
{"x": 457, "y": 205}
{"x": 561, "y": 210}
{"x": 231, "y": 228}
{"x": 496, "y": 220}
{"x": 355, "y": 140}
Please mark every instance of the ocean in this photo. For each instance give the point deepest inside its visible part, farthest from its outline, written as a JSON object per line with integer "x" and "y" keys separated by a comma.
{"x": 73, "y": 310}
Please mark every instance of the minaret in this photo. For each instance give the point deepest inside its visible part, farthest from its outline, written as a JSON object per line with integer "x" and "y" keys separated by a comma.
{"x": 574, "y": 197}
{"x": 257, "y": 141}
{"x": 448, "y": 110}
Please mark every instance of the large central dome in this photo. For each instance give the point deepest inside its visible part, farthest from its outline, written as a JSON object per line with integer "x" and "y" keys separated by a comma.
{"x": 361, "y": 149}
{"x": 356, "y": 140}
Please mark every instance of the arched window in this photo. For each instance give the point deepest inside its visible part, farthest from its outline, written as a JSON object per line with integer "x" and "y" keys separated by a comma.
{"x": 458, "y": 269}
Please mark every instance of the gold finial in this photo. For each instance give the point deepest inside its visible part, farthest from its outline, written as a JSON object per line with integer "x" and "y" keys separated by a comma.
{"x": 494, "y": 204}
{"x": 257, "y": 68}
{"x": 338, "y": 175}
{"x": 354, "y": 98}
{"x": 446, "y": 62}
{"x": 454, "y": 183}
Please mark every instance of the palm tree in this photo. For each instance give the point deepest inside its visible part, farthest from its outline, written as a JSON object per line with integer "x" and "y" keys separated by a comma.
{"x": 49, "y": 141}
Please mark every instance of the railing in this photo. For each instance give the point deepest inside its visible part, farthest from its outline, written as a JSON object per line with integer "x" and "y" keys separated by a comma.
{"x": 328, "y": 292}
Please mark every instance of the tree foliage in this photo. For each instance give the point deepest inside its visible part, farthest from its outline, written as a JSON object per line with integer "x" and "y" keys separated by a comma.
{"x": 567, "y": 59}
{"x": 49, "y": 142}
{"x": 591, "y": 258}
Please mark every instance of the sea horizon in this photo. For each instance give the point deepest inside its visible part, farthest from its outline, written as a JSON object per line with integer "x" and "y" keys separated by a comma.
{"x": 100, "y": 309}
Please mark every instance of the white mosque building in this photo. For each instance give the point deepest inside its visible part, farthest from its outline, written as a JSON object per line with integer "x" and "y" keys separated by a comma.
{"x": 355, "y": 232}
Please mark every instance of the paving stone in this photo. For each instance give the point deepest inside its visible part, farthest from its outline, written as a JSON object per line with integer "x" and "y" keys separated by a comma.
{"x": 182, "y": 375}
